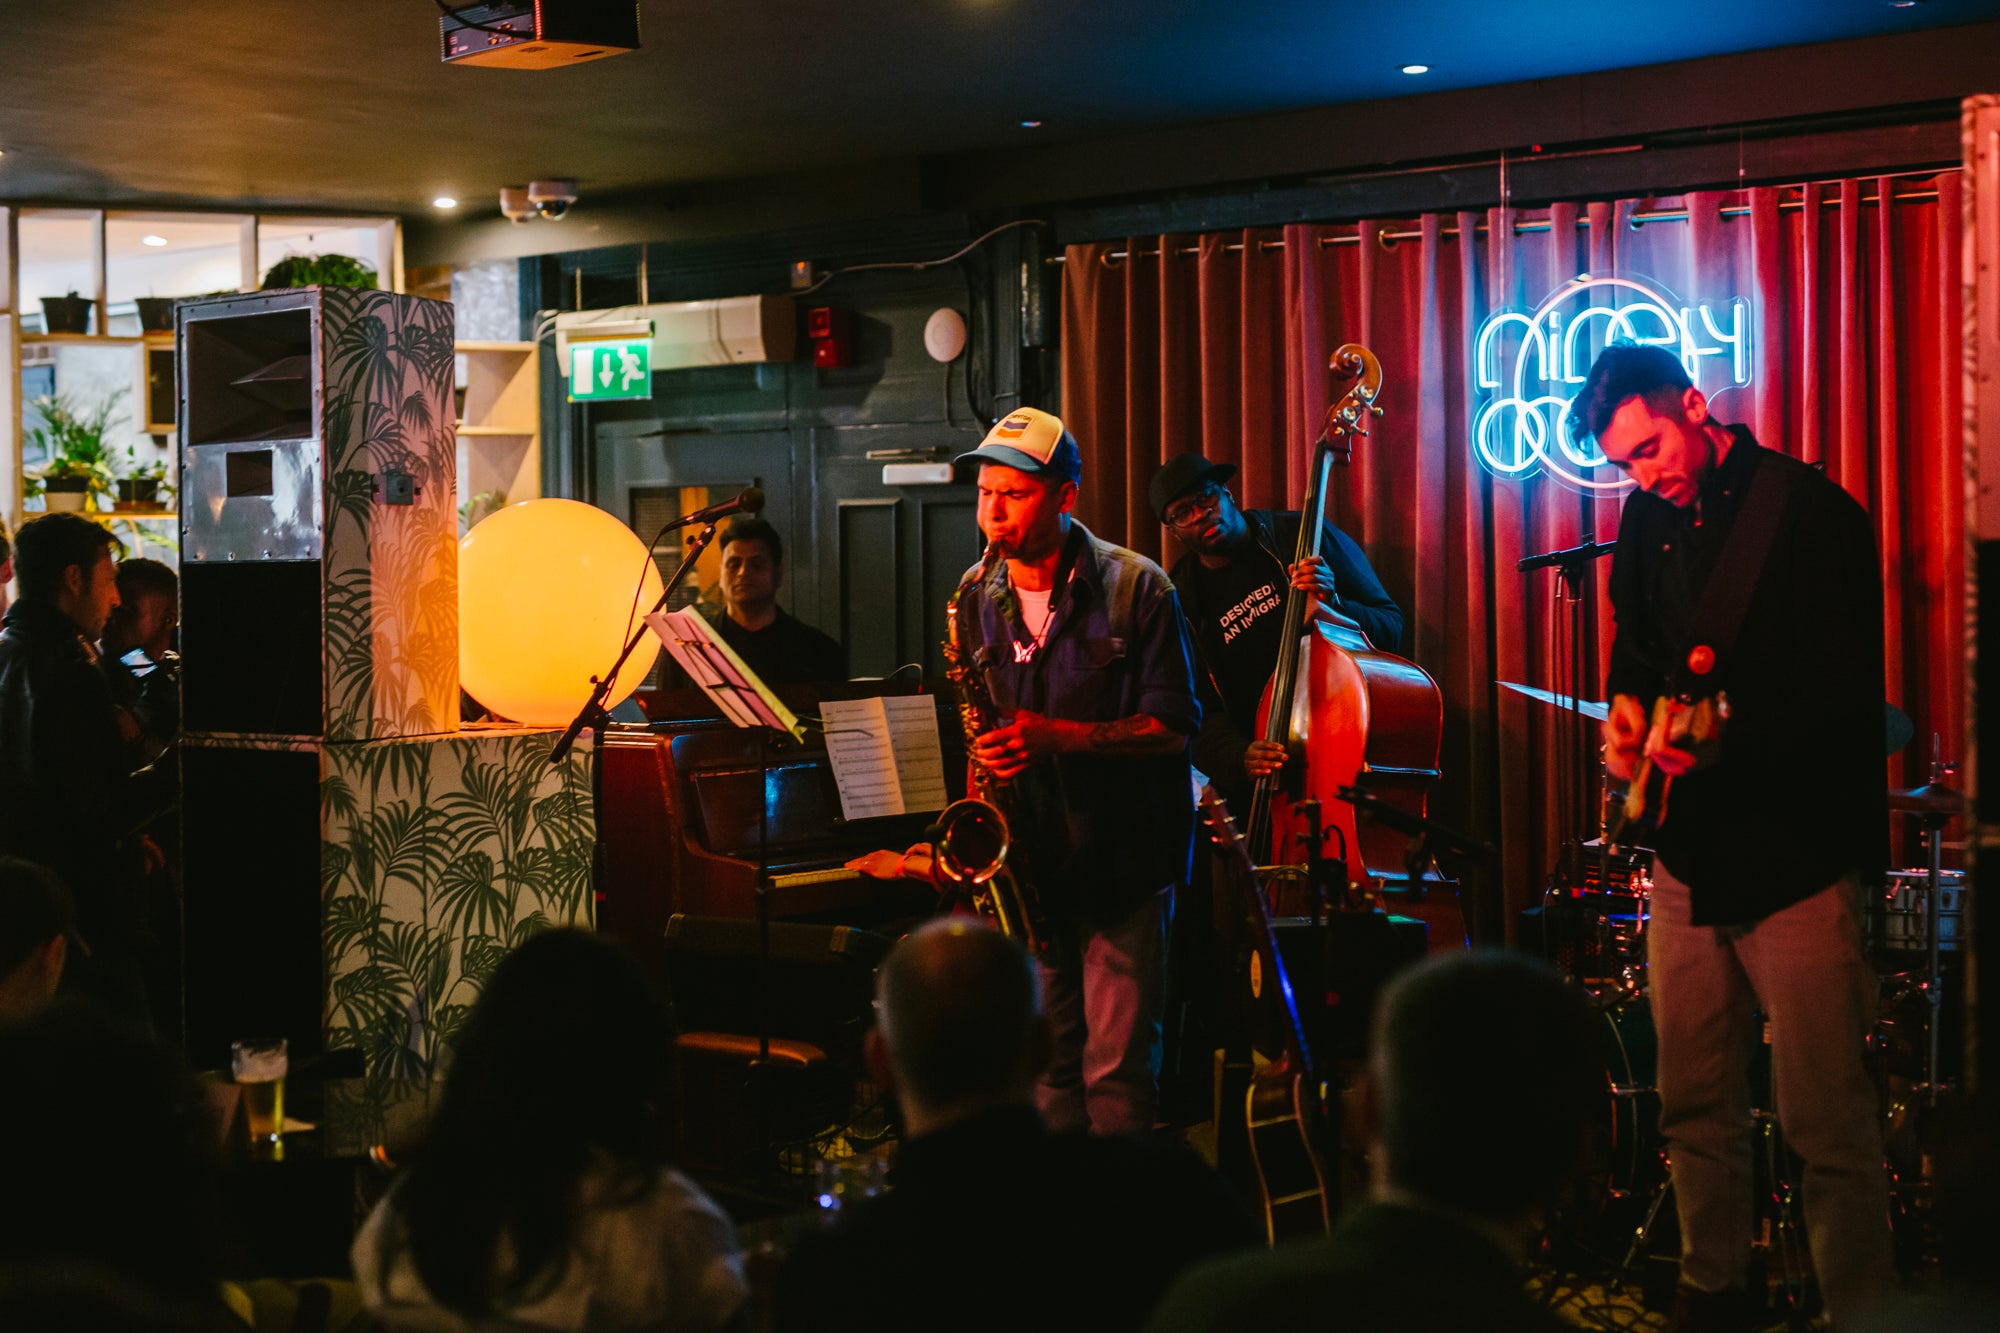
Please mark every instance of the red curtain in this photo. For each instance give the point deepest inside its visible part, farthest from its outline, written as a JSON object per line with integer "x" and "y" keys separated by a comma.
{"x": 1219, "y": 343}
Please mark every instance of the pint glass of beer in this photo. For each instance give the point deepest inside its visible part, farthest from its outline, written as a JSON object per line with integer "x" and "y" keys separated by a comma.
{"x": 260, "y": 1067}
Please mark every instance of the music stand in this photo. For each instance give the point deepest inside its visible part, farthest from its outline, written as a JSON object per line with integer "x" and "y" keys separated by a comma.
{"x": 746, "y": 702}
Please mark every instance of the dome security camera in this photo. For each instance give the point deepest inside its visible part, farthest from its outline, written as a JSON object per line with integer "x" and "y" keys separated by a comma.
{"x": 552, "y": 198}
{"x": 514, "y": 203}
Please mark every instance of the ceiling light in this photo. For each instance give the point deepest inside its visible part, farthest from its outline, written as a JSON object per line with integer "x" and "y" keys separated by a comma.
{"x": 444, "y": 201}
{"x": 152, "y": 240}
{"x": 1416, "y": 69}
{"x": 1031, "y": 124}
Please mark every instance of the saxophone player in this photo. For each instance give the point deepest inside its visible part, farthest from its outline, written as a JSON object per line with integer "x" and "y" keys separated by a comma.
{"x": 1083, "y": 649}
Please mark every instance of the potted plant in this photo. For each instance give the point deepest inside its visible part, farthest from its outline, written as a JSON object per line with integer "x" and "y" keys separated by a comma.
{"x": 66, "y": 314}
{"x": 156, "y": 313}
{"x": 318, "y": 270}
{"x": 143, "y": 485}
{"x": 71, "y": 440}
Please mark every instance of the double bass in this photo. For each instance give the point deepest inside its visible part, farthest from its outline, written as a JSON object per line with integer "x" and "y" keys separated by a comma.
{"x": 1347, "y": 713}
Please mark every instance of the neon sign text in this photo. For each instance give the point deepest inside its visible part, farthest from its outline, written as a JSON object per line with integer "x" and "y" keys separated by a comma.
{"x": 1527, "y": 367}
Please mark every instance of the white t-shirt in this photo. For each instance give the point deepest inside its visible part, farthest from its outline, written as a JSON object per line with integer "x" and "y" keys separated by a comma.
{"x": 1035, "y": 611}
{"x": 666, "y": 1260}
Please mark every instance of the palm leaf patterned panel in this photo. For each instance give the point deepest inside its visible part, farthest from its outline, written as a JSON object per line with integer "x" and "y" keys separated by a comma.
{"x": 391, "y": 571}
{"x": 438, "y": 855}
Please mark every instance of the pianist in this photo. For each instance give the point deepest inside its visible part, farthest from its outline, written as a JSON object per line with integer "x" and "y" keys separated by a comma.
{"x": 778, "y": 647}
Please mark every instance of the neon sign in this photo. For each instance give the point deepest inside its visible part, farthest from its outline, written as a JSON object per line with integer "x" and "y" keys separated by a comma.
{"x": 1527, "y": 367}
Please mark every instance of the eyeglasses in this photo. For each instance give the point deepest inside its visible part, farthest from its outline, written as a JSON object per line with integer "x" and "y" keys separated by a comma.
{"x": 1198, "y": 507}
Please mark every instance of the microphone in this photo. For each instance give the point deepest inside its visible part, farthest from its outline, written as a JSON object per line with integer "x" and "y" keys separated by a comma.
{"x": 749, "y": 502}
{"x": 1574, "y": 555}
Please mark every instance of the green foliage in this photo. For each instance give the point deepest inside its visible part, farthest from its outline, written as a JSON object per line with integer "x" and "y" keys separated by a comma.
{"x": 153, "y": 470}
{"x": 319, "y": 270}
{"x": 71, "y": 438}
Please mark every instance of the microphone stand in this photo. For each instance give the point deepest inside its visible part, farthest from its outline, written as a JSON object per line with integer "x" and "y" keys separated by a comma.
{"x": 593, "y": 713}
{"x": 1577, "y": 765}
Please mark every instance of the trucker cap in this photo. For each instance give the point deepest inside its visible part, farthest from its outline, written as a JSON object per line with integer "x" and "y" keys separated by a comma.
{"x": 1033, "y": 441}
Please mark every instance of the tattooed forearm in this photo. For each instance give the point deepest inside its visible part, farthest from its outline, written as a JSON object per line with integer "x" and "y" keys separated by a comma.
{"x": 1138, "y": 734}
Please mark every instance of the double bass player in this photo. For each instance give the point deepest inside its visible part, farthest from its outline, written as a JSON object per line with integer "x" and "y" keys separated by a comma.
{"x": 1233, "y": 585}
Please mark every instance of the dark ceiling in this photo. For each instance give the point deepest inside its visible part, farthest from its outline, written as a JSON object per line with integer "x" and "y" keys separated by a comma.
{"x": 345, "y": 105}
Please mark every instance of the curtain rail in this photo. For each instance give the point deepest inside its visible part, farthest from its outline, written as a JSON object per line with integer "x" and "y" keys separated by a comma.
{"x": 1389, "y": 239}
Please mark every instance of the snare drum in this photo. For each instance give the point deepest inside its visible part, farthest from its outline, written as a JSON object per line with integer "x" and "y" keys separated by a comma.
{"x": 1903, "y": 927}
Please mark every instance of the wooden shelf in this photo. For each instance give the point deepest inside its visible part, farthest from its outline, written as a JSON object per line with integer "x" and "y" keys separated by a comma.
{"x": 87, "y": 339}
{"x": 499, "y": 432}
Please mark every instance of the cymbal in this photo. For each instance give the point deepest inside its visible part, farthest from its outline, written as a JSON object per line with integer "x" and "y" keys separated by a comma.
{"x": 1933, "y": 798}
{"x": 1586, "y": 707}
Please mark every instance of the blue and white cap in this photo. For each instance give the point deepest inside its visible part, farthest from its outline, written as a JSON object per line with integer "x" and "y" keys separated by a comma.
{"x": 1033, "y": 441}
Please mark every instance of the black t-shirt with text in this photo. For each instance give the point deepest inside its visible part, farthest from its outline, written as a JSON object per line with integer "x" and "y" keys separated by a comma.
{"x": 1240, "y": 615}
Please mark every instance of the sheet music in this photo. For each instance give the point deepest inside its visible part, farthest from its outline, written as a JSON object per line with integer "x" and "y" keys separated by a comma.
{"x": 714, "y": 666}
{"x": 913, "y": 738}
{"x": 886, "y": 756}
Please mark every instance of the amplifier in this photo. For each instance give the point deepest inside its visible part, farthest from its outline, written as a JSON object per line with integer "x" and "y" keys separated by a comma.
{"x": 538, "y": 34}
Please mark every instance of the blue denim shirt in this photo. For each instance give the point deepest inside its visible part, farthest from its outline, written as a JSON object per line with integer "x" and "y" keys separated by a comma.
{"x": 1108, "y": 831}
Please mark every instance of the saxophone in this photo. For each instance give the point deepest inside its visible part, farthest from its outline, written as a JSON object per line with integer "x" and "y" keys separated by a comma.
{"x": 975, "y": 834}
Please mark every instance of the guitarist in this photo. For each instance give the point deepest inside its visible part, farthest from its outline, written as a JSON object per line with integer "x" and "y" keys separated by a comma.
{"x": 1742, "y": 572}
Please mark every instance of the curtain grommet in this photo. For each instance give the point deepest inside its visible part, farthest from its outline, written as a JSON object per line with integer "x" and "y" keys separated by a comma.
{"x": 1110, "y": 259}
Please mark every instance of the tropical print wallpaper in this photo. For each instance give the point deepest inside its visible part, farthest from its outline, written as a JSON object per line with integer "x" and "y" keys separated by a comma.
{"x": 391, "y": 570}
{"x": 438, "y": 856}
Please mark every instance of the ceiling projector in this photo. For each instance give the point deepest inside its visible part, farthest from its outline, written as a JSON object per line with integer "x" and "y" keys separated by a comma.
{"x": 538, "y": 34}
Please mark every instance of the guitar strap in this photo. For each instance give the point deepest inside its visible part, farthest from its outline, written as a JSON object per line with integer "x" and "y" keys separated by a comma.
{"x": 1718, "y": 616}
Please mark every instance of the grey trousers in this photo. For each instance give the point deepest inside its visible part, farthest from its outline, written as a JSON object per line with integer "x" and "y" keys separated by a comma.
{"x": 1804, "y": 967}
{"x": 1105, "y": 994}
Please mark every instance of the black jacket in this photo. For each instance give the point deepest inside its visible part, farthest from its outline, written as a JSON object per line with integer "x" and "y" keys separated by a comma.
{"x": 994, "y": 1223}
{"x": 69, "y": 799}
{"x": 1798, "y": 796}
{"x": 1228, "y": 724}
{"x": 1385, "y": 1267}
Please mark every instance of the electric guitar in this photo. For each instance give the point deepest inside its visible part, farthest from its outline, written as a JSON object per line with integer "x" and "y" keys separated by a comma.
{"x": 1291, "y": 1137}
{"x": 1694, "y": 725}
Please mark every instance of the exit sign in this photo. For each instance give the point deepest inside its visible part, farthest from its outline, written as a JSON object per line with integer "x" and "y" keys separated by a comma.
{"x": 610, "y": 368}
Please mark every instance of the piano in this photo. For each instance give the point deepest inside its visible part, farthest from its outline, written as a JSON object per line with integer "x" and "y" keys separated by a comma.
{"x": 681, "y": 830}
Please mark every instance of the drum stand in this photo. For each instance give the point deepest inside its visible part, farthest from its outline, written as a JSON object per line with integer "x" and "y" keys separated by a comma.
{"x": 1934, "y": 805}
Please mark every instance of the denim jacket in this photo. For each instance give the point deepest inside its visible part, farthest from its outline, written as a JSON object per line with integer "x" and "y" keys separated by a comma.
{"x": 1108, "y": 831}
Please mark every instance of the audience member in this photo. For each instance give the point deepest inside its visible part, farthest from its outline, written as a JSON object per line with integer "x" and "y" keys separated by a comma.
{"x": 780, "y": 648}
{"x": 1482, "y": 1080}
{"x": 109, "y": 1164}
{"x": 542, "y": 1196}
{"x": 139, "y": 656}
{"x": 35, "y": 925}
{"x": 6, "y": 568}
{"x": 992, "y": 1222}
{"x": 69, "y": 798}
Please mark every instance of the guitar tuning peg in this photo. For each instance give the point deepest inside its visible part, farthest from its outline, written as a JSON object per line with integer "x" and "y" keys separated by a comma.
{"x": 1376, "y": 410}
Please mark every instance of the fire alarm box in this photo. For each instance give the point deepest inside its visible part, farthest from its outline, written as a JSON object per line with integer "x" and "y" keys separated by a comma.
{"x": 827, "y": 327}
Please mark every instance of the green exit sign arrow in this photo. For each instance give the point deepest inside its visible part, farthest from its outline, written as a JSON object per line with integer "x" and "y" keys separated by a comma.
{"x": 608, "y": 368}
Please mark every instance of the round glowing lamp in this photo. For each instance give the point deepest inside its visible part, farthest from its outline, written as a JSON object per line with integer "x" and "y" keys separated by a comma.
{"x": 548, "y": 592}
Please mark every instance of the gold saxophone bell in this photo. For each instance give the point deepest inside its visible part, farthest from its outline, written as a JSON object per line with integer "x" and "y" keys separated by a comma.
{"x": 972, "y": 842}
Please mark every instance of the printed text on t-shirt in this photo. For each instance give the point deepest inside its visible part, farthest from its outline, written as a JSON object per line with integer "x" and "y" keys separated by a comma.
{"x": 1240, "y": 616}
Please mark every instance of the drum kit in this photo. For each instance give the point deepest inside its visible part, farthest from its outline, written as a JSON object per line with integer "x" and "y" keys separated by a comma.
{"x": 1592, "y": 922}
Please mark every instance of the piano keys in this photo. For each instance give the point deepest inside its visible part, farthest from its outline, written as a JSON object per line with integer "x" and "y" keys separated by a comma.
{"x": 681, "y": 829}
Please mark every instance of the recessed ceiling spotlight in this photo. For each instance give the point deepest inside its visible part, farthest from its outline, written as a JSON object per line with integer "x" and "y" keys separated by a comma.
{"x": 1904, "y": 4}
{"x": 1416, "y": 69}
{"x": 444, "y": 201}
{"x": 152, "y": 240}
{"x": 1031, "y": 124}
